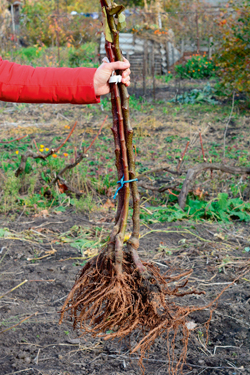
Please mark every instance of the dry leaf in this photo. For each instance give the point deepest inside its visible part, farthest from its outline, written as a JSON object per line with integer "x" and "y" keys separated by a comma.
{"x": 199, "y": 192}
{"x": 62, "y": 187}
{"x": 57, "y": 212}
{"x": 220, "y": 236}
{"x": 90, "y": 253}
{"x": 127, "y": 237}
{"x": 43, "y": 213}
{"x": 108, "y": 204}
{"x": 191, "y": 325}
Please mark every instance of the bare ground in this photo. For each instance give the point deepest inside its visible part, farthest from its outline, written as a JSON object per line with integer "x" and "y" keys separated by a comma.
{"x": 215, "y": 252}
{"x": 40, "y": 345}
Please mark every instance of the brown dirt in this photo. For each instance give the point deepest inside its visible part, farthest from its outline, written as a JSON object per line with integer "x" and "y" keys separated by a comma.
{"x": 41, "y": 346}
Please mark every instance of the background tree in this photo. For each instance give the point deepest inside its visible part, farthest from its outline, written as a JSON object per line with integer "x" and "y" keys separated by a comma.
{"x": 50, "y": 22}
{"x": 4, "y": 18}
{"x": 234, "y": 53}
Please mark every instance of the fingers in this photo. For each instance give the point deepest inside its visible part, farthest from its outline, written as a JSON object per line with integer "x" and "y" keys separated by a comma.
{"x": 126, "y": 80}
{"x": 126, "y": 73}
{"x": 118, "y": 65}
{"x": 125, "y": 60}
{"x": 126, "y": 76}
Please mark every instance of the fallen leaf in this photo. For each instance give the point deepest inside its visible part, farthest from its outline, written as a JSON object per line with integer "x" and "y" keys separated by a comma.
{"x": 191, "y": 325}
{"x": 127, "y": 237}
{"x": 109, "y": 192}
{"x": 43, "y": 213}
{"x": 220, "y": 236}
{"x": 62, "y": 187}
{"x": 90, "y": 253}
{"x": 109, "y": 204}
{"x": 182, "y": 241}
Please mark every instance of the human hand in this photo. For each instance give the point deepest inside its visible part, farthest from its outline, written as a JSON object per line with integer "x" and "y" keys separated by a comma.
{"x": 103, "y": 73}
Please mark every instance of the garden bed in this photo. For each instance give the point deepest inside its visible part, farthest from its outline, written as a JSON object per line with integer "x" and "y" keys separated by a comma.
{"x": 45, "y": 238}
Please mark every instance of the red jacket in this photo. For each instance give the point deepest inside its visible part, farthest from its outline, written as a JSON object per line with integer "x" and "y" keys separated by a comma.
{"x": 25, "y": 84}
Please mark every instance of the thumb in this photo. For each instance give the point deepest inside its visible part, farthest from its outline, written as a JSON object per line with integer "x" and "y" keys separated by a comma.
{"x": 118, "y": 65}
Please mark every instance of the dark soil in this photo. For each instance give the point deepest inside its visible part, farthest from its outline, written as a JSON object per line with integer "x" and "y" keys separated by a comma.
{"x": 165, "y": 91}
{"x": 216, "y": 252}
{"x": 40, "y": 346}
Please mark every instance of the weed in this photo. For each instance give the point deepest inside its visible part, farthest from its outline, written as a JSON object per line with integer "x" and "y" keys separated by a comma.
{"x": 219, "y": 209}
{"x": 105, "y": 103}
{"x": 11, "y": 187}
{"x": 136, "y": 104}
{"x": 83, "y": 56}
{"x": 85, "y": 203}
{"x": 166, "y": 78}
{"x": 47, "y": 56}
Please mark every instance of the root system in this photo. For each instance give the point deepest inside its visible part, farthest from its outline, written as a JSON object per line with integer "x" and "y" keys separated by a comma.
{"x": 113, "y": 306}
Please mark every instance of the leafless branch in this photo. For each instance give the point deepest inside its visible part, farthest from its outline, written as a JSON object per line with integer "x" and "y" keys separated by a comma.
{"x": 155, "y": 188}
{"x": 66, "y": 140}
{"x": 14, "y": 140}
{"x": 164, "y": 168}
{"x": 182, "y": 156}
{"x": 39, "y": 155}
{"x": 78, "y": 158}
{"x": 194, "y": 172}
{"x": 228, "y": 122}
{"x": 202, "y": 148}
{"x": 69, "y": 166}
{"x": 97, "y": 135}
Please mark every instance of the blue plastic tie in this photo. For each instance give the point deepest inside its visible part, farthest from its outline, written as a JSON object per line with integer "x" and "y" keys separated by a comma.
{"x": 122, "y": 182}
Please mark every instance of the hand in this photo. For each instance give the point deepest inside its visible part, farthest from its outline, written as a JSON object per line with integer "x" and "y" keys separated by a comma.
{"x": 104, "y": 72}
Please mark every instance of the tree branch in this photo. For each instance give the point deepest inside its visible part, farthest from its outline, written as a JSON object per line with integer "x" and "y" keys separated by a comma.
{"x": 154, "y": 188}
{"x": 31, "y": 154}
{"x": 97, "y": 135}
{"x": 78, "y": 158}
{"x": 192, "y": 174}
{"x": 14, "y": 140}
{"x": 164, "y": 168}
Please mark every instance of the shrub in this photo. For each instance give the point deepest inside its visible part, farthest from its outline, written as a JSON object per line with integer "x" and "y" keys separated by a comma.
{"x": 44, "y": 24}
{"x": 30, "y": 54}
{"x": 197, "y": 67}
{"x": 233, "y": 57}
{"x": 83, "y": 56}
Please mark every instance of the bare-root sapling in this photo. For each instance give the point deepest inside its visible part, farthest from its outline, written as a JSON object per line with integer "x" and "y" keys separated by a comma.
{"x": 116, "y": 292}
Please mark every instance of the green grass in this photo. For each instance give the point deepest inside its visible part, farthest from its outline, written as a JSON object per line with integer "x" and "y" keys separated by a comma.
{"x": 160, "y": 137}
{"x": 72, "y": 57}
{"x": 33, "y": 191}
{"x": 218, "y": 209}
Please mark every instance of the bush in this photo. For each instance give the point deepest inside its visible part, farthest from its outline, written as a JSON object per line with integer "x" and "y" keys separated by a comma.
{"x": 43, "y": 23}
{"x": 83, "y": 56}
{"x": 233, "y": 57}
{"x": 29, "y": 54}
{"x": 197, "y": 67}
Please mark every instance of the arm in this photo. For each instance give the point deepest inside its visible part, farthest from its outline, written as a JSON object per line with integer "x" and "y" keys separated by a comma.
{"x": 25, "y": 84}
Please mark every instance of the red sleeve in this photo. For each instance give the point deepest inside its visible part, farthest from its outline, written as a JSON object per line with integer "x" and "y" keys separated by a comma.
{"x": 25, "y": 84}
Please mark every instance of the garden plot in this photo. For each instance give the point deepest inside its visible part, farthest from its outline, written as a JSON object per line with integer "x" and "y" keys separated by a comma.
{"x": 46, "y": 251}
{"x": 48, "y": 232}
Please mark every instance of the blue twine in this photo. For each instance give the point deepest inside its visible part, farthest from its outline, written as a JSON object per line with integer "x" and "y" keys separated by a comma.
{"x": 122, "y": 182}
